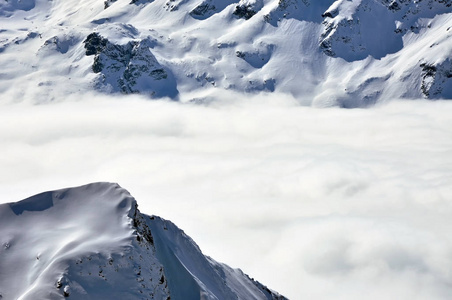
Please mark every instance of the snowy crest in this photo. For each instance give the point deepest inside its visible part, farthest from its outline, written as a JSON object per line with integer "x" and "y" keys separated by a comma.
{"x": 91, "y": 242}
{"x": 326, "y": 51}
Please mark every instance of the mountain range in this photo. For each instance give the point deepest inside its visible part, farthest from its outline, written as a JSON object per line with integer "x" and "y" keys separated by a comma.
{"x": 347, "y": 53}
{"x": 92, "y": 242}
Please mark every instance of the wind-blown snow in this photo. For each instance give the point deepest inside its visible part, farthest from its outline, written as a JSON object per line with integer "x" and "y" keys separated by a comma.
{"x": 316, "y": 203}
{"x": 91, "y": 242}
{"x": 340, "y": 53}
{"x": 45, "y": 238}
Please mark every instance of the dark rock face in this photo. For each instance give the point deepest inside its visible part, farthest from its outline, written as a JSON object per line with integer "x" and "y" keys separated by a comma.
{"x": 176, "y": 251}
{"x": 107, "y": 3}
{"x": 129, "y": 68}
{"x": 207, "y": 8}
{"x": 355, "y": 38}
{"x": 116, "y": 252}
{"x": 89, "y": 274}
{"x": 394, "y": 6}
{"x": 202, "y": 10}
{"x": 94, "y": 44}
{"x": 436, "y": 80}
{"x": 136, "y": 2}
{"x": 285, "y": 9}
{"x": 244, "y": 11}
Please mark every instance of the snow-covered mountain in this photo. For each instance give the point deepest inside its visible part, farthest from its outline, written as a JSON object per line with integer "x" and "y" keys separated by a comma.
{"x": 91, "y": 242}
{"x": 346, "y": 52}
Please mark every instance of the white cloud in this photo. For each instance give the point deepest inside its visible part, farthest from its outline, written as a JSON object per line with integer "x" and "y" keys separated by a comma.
{"x": 315, "y": 203}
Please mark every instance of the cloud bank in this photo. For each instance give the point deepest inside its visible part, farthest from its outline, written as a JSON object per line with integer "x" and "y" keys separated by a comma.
{"x": 316, "y": 203}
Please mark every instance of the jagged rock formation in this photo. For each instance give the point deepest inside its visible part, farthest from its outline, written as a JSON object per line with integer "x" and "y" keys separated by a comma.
{"x": 246, "y": 8}
{"x": 92, "y": 242}
{"x": 129, "y": 68}
{"x": 356, "y": 29}
{"x": 437, "y": 80}
{"x": 346, "y": 53}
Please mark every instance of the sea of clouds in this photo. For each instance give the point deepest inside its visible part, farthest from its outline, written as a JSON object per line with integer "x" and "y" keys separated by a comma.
{"x": 315, "y": 203}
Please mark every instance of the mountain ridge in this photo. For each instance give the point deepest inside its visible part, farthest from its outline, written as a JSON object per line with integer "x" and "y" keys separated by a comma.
{"x": 92, "y": 242}
{"x": 340, "y": 53}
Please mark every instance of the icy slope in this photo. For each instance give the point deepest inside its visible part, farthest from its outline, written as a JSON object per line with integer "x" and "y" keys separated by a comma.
{"x": 347, "y": 53}
{"x": 91, "y": 242}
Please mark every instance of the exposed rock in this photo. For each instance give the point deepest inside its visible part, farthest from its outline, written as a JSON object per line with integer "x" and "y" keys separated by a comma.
{"x": 136, "y": 2}
{"x": 145, "y": 49}
{"x": 248, "y": 8}
{"x": 129, "y": 68}
{"x": 94, "y": 44}
{"x": 349, "y": 26}
{"x": 244, "y": 11}
{"x": 202, "y": 9}
{"x": 207, "y": 8}
{"x": 349, "y": 34}
{"x": 437, "y": 80}
{"x": 107, "y": 3}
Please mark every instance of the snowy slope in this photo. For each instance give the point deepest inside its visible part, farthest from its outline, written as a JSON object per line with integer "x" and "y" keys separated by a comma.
{"x": 91, "y": 242}
{"x": 325, "y": 52}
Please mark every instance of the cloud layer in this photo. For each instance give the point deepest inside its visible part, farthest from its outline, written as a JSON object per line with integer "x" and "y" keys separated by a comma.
{"x": 316, "y": 203}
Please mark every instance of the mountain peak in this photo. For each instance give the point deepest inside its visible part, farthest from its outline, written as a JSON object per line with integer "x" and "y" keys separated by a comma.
{"x": 92, "y": 242}
{"x": 96, "y": 194}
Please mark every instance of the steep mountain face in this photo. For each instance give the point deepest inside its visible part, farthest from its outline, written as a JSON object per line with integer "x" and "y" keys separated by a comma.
{"x": 357, "y": 29}
{"x": 129, "y": 68}
{"x": 346, "y": 52}
{"x": 92, "y": 242}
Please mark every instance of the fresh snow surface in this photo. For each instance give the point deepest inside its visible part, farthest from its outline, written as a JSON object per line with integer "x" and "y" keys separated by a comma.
{"x": 343, "y": 53}
{"x": 91, "y": 242}
{"x": 320, "y": 204}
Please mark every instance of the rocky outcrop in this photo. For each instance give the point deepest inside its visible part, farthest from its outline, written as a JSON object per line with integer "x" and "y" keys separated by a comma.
{"x": 437, "y": 80}
{"x": 310, "y": 49}
{"x": 207, "y": 8}
{"x": 354, "y": 30}
{"x": 129, "y": 68}
{"x": 204, "y": 279}
{"x": 248, "y": 8}
{"x": 203, "y": 10}
{"x": 87, "y": 276}
{"x": 107, "y": 3}
{"x": 92, "y": 242}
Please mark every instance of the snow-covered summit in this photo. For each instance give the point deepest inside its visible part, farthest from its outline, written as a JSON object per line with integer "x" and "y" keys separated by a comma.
{"x": 324, "y": 52}
{"x": 91, "y": 242}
